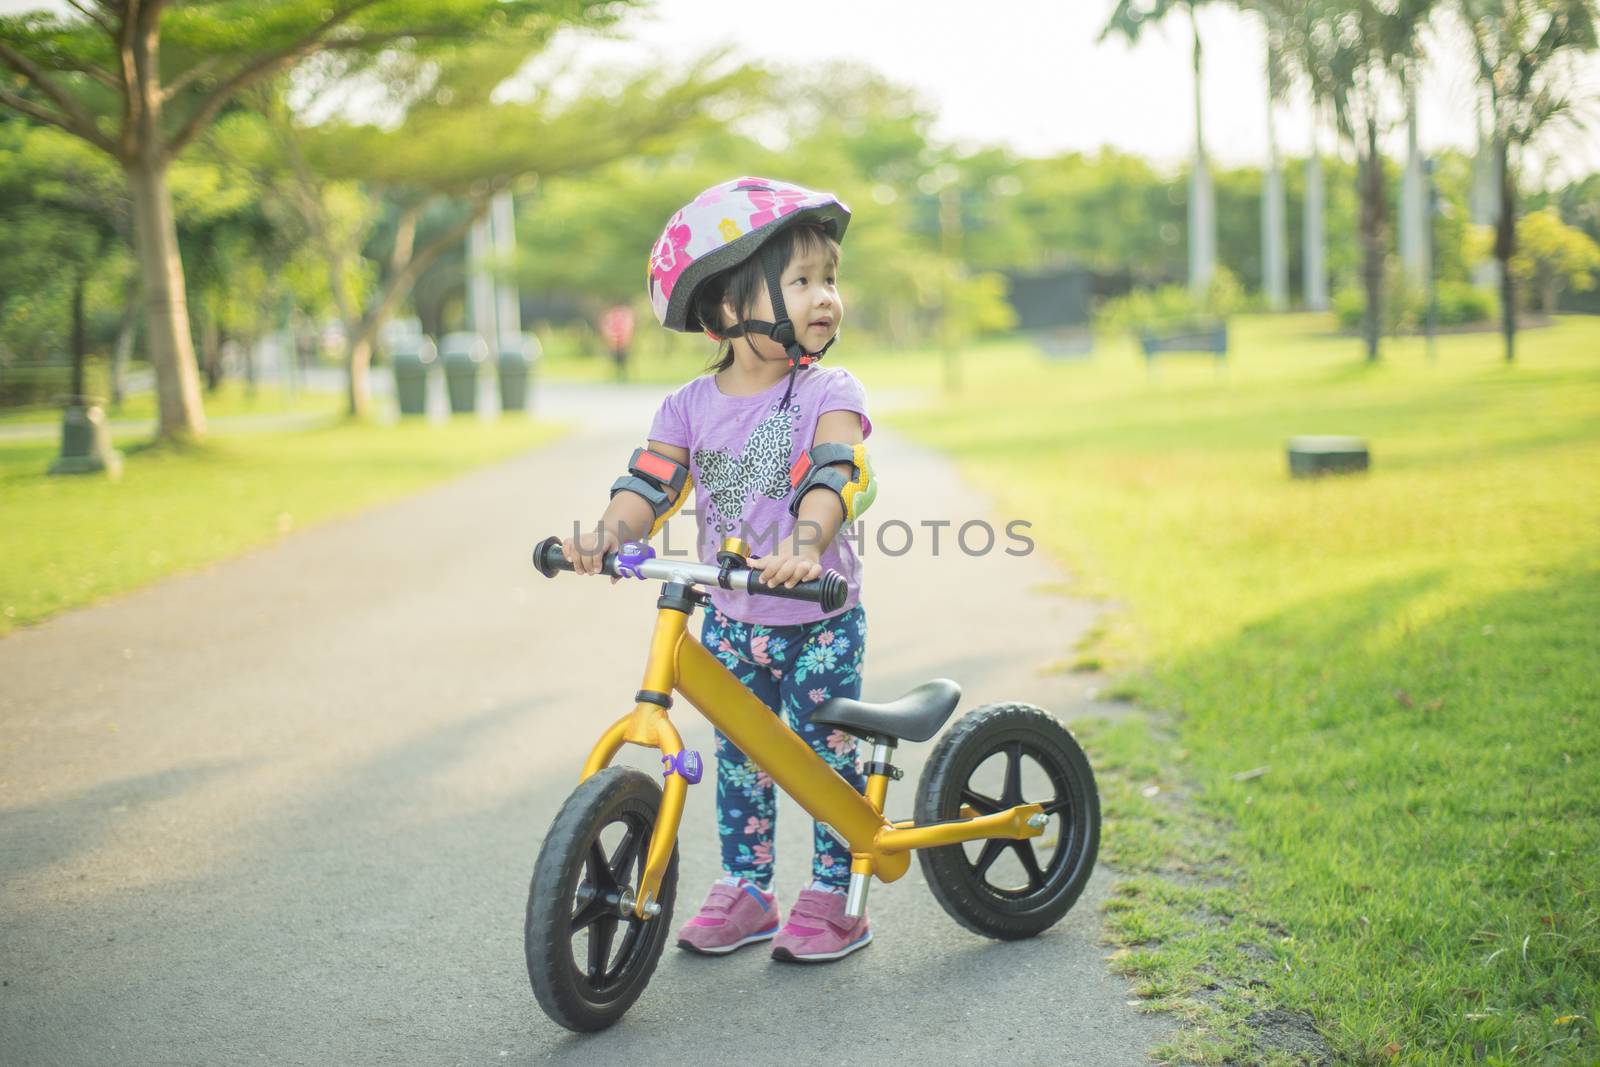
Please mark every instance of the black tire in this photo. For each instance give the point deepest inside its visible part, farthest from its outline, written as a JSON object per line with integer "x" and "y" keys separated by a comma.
{"x": 572, "y": 903}
{"x": 1036, "y": 894}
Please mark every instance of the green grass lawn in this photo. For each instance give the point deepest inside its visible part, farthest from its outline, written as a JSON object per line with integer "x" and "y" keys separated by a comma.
{"x": 69, "y": 541}
{"x": 230, "y": 398}
{"x": 1374, "y": 798}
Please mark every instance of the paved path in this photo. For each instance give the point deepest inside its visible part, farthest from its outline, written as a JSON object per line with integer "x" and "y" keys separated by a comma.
{"x": 284, "y": 810}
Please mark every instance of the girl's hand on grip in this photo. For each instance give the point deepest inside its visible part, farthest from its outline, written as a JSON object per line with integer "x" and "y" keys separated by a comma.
{"x": 587, "y": 552}
{"x": 787, "y": 569}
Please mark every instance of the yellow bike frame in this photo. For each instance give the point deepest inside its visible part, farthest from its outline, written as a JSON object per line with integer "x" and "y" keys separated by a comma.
{"x": 877, "y": 846}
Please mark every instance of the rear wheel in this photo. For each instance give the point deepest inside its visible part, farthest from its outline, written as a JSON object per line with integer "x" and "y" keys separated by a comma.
{"x": 994, "y": 758}
{"x": 588, "y": 957}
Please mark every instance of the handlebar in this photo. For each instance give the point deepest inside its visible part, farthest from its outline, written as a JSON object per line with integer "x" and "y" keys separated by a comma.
{"x": 830, "y": 591}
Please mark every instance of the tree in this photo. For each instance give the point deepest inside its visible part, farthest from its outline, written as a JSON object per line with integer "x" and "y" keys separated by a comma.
{"x": 1129, "y": 19}
{"x": 1298, "y": 44}
{"x": 1274, "y": 250}
{"x": 1552, "y": 255}
{"x": 863, "y": 138}
{"x": 63, "y": 217}
{"x": 228, "y": 242}
{"x": 1109, "y": 212}
{"x": 141, "y": 79}
{"x": 460, "y": 145}
{"x": 1354, "y": 53}
{"x": 1519, "y": 46}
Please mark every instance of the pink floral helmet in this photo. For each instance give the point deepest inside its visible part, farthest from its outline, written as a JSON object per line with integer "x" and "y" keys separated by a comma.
{"x": 720, "y": 229}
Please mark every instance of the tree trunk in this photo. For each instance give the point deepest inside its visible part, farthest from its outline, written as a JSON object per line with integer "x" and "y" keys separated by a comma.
{"x": 1315, "y": 281}
{"x": 358, "y": 367}
{"x": 407, "y": 268}
{"x": 250, "y": 350}
{"x": 166, "y": 307}
{"x": 1202, "y": 217}
{"x": 79, "y": 340}
{"x": 1505, "y": 246}
{"x": 1550, "y": 291}
{"x": 1414, "y": 218}
{"x": 210, "y": 350}
{"x": 1369, "y": 171}
{"x": 431, "y": 314}
{"x": 357, "y": 392}
{"x": 1274, "y": 247}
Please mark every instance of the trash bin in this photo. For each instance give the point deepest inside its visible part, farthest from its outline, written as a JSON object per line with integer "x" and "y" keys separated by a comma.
{"x": 412, "y": 356}
{"x": 518, "y": 361}
{"x": 461, "y": 354}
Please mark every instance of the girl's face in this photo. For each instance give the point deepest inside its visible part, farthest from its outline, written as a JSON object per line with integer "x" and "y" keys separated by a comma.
{"x": 810, "y": 295}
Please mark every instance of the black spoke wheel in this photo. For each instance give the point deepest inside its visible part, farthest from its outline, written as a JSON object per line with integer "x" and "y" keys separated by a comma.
{"x": 994, "y": 758}
{"x": 589, "y": 957}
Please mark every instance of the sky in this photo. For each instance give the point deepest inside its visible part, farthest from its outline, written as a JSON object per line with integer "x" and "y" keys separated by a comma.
{"x": 1029, "y": 74}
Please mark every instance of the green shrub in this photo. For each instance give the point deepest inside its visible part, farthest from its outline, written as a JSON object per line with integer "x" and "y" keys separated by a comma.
{"x": 1405, "y": 306}
{"x": 1348, "y": 306}
{"x": 1461, "y": 303}
{"x": 1170, "y": 304}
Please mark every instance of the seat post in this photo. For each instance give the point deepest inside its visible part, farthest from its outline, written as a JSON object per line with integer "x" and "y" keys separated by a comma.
{"x": 880, "y": 772}
{"x": 855, "y": 904}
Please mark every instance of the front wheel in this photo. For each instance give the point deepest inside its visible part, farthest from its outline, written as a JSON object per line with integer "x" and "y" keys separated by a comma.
{"x": 588, "y": 957}
{"x": 994, "y": 758}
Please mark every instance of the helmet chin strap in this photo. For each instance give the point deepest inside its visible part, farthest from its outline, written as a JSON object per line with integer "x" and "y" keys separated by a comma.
{"x": 781, "y": 331}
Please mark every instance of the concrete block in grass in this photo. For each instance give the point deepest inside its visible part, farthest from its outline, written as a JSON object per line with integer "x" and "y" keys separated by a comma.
{"x": 1314, "y": 455}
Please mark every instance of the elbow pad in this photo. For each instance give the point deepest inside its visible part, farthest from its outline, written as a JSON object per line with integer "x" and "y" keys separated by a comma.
{"x": 663, "y": 482}
{"x": 856, "y": 493}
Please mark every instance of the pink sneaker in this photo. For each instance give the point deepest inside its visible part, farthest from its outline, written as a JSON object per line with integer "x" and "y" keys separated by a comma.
{"x": 818, "y": 929}
{"x": 736, "y": 912}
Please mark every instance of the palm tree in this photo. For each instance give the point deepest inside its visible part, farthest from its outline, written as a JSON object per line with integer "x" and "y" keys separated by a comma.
{"x": 1274, "y": 249}
{"x": 1129, "y": 20}
{"x": 1354, "y": 53}
{"x": 1298, "y": 50}
{"x": 1519, "y": 45}
{"x": 1313, "y": 238}
{"x": 1415, "y": 223}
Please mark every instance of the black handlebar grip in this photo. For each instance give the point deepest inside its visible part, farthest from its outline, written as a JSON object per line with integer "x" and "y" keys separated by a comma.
{"x": 835, "y": 591}
{"x": 830, "y": 591}
{"x": 547, "y": 559}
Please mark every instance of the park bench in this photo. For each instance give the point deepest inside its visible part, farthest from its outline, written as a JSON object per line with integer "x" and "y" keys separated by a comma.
{"x": 1183, "y": 338}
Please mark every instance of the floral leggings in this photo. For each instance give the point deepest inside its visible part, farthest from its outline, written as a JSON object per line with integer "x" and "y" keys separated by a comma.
{"x": 792, "y": 668}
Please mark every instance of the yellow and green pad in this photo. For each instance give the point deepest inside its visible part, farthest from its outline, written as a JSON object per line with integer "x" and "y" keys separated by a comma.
{"x": 662, "y": 481}
{"x": 683, "y": 494}
{"x": 814, "y": 468}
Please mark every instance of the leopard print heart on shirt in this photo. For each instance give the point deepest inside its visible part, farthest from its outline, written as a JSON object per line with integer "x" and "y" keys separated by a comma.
{"x": 763, "y": 466}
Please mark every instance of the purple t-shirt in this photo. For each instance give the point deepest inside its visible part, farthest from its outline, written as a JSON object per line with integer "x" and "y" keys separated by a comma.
{"x": 741, "y": 449}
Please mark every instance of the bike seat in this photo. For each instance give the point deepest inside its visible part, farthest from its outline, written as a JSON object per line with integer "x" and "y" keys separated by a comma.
{"x": 916, "y": 716}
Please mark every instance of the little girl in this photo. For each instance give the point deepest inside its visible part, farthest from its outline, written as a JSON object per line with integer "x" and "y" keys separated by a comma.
{"x": 754, "y": 264}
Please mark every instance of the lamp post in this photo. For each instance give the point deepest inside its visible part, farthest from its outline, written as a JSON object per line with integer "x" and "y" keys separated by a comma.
{"x": 85, "y": 438}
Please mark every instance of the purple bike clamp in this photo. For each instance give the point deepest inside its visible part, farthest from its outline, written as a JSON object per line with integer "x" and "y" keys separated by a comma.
{"x": 630, "y": 555}
{"x": 686, "y": 765}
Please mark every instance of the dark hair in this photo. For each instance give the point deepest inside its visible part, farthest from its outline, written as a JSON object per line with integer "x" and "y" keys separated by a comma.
{"x": 743, "y": 285}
